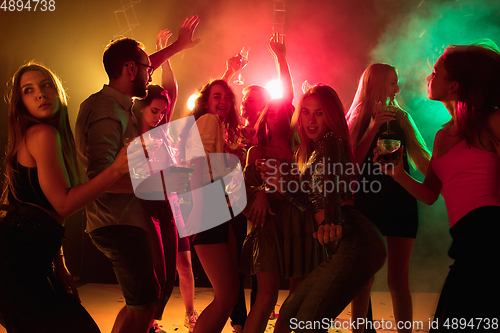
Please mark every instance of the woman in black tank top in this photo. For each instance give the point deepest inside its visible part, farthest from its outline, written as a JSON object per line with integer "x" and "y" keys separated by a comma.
{"x": 42, "y": 187}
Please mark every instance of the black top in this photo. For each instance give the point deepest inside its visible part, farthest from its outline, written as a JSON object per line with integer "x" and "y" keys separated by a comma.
{"x": 27, "y": 188}
{"x": 382, "y": 199}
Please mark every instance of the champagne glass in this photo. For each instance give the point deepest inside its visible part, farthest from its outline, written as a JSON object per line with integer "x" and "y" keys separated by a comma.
{"x": 388, "y": 149}
{"x": 388, "y": 108}
{"x": 243, "y": 61}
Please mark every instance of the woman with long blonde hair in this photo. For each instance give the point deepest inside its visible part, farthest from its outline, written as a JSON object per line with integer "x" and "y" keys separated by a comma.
{"x": 42, "y": 187}
{"x": 325, "y": 188}
{"x": 375, "y": 112}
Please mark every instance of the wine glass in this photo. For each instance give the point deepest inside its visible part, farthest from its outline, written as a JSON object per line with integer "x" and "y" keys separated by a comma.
{"x": 243, "y": 61}
{"x": 388, "y": 108}
{"x": 388, "y": 149}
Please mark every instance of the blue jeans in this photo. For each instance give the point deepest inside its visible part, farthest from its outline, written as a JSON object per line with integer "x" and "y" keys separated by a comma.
{"x": 31, "y": 299}
{"x": 327, "y": 290}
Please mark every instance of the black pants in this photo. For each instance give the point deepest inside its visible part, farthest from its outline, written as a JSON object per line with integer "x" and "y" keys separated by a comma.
{"x": 470, "y": 297}
{"x": 31, "y": 299}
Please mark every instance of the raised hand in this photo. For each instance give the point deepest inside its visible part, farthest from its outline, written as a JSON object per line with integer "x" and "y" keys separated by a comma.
{"x": 395, "y": 170}
{"x": 235, "y": 63}
{"x": 381, "y": 117}
{"x": 186, "y": 32}
{"x": 277, "y": 45}
{"x": 162, "y": 39}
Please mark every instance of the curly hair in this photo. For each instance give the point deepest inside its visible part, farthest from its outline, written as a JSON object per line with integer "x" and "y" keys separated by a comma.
{"x": 232, "y": 122}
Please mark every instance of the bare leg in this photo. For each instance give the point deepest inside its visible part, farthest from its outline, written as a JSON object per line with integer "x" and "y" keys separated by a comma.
{"x": 186, "y": 279}
{"x": 267, "y": 295}
{"x": 359, "y": 305}
{"x": 133, "y": 321}
{"x": 398, "y": 266}
{"x": 220, "y": 265}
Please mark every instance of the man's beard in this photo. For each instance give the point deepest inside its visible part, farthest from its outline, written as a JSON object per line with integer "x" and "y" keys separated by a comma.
{"x": 138, "y": 88}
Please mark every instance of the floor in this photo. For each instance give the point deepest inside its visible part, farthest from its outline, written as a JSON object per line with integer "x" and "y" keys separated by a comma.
{"x": 104, "y": 300}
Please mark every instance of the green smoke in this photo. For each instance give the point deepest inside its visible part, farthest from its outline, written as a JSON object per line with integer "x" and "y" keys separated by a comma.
{"x": 415, "y": 40}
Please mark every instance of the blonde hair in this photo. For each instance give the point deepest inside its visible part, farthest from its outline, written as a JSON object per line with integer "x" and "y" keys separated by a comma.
{"x": 20, "y": 120}
{"x": 372, "y": 88}
{"x": 334, "y": 119}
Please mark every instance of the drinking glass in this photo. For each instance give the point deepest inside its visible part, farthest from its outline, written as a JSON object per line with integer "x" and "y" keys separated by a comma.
{"x": 181, "y": 167}
{"x": 243, "y": 61}
{"x": 388, "y": 149}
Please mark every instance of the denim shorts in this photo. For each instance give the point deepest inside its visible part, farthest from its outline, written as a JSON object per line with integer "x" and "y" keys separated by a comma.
{"x": 129, "y": 250}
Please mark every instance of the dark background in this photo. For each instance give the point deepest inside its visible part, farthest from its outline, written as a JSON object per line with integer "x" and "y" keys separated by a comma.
{"x": 328, "y": 41}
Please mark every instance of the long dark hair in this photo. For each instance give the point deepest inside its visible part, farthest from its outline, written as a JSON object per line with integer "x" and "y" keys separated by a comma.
{"x": 476, "y": 68}
{"x": 20, "y": 120}
{"x": 284, "y": 111}
{"x": 154, "y": 91}
{"x": 232, "y": 122}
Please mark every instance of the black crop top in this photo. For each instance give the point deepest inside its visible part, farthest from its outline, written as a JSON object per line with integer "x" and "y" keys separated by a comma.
{"x": 27, "y": 187}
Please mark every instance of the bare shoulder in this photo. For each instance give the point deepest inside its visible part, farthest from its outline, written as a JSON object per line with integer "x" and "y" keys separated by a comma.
{"x": 437, "y": 143}
{"x": 41, "y": 135}
{"x": 41, "y": 130}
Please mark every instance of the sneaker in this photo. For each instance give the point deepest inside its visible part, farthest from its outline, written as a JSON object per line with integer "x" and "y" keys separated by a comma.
{"x": 237, "y": 329}
{"x": 190, "y": 320}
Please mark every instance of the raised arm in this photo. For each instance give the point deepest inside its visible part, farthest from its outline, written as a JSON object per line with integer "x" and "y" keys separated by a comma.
{"x": 278, "y": 50}
{"x": 184, "y": 41}
{"x": 168, "y": 80}
{"x": 233, "y": 64}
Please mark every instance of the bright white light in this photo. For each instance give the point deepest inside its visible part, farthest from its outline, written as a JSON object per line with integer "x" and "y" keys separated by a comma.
{"x": 275, "y": 88}
{"x": 191, "y": 99}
